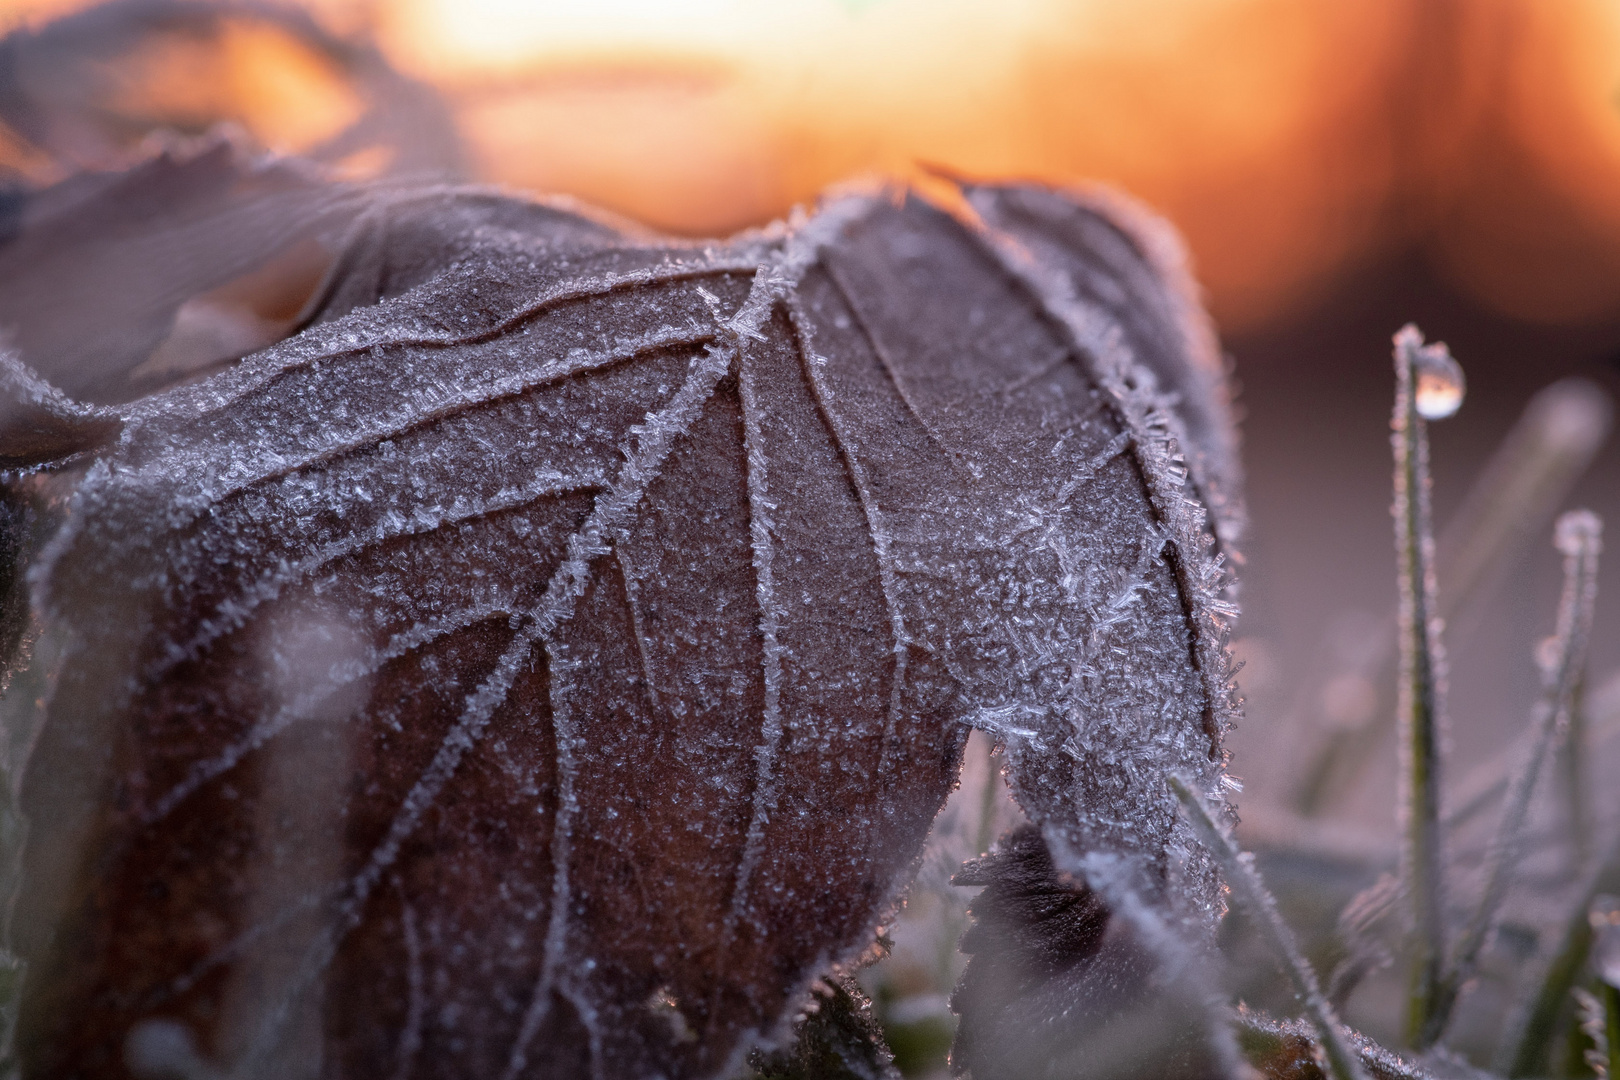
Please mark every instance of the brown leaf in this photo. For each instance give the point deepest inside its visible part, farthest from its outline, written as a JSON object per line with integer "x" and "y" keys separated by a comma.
{"x": 551, "y": 670}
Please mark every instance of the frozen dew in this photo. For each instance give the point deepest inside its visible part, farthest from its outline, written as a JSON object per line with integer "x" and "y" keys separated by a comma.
{"x": 1440, "y": 383}
{"x": 1438, "y": 380}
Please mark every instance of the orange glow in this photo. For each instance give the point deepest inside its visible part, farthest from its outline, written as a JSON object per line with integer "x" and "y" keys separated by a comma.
{"x": 1251, "y": 122}
{"x": 288, "y": 96}
{"x": 256, "y": 75}
{"x": 1286, "y": 138}
{"x": 1534, "y": 223}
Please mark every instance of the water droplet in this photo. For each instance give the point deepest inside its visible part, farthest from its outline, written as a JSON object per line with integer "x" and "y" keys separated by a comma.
{"x": 1439, "y": 379}
{"x": 1440, "y": 383}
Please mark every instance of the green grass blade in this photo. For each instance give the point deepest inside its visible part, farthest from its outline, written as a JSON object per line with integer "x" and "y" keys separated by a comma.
{"x": 1421, "y": 706}
{"x": 1579, "y": 537}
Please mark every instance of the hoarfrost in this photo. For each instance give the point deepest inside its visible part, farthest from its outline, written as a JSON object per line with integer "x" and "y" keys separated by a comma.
{"x": 669, "y": 580}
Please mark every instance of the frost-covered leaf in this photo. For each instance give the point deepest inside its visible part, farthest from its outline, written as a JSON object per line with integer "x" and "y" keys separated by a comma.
{"x": 550, "y": 661}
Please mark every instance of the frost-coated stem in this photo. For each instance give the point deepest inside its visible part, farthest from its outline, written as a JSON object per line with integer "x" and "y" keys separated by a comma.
{"x": 1534, "y": 1021}
{"x": 1571, "y": 765}
{"x": 1421, "y": 704}
{"x": 1185, "y": 963}
{"x": 1579, "y": 536}
{"x": 1251, "y": 892}
{"x": 1522, "y": 485}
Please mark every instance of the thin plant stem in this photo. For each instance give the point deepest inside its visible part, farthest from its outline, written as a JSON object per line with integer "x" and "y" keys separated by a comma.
{"x": 1421, "y": 705}
{"x": 1579, "y": 537}
{"x": 1186, "y": 963}
{"x": 1524, "y": 1052}
{"x": 1550, "y": 447}
{"x": 1358, "y": 921}
{"x": 1252, "y": 893}
{"x": 1535, "y": 1023}
{"x": 1572, "y": 767}
{"x": 1595, "y": 721}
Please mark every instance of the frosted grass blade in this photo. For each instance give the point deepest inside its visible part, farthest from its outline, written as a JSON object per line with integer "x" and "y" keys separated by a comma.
{"x": 1251, "y": 892}
{"x": 1579, "y": 538}
{"x": 1421, "y": 709}
{"x": 1514, "y": 498}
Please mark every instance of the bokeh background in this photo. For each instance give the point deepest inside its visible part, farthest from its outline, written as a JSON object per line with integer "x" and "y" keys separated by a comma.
{"x": 1337, "y": 170}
